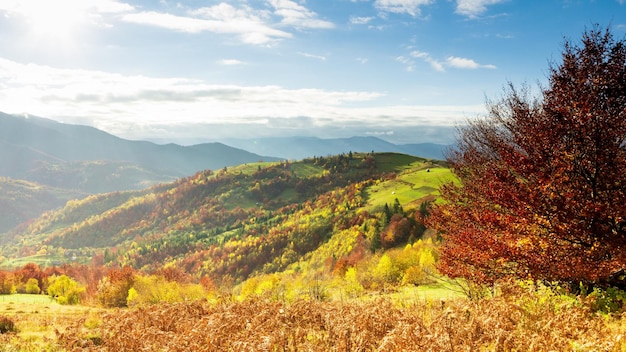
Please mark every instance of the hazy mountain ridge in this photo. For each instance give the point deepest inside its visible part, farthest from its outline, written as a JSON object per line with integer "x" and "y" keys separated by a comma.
{"x": 28, "y": 141}
{"x": 297, "y": 148}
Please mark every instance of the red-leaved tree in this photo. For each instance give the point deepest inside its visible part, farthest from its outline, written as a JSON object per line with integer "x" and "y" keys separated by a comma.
{"x": 542, "y": 180}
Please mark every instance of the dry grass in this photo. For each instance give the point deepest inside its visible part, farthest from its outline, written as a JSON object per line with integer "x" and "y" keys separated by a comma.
{"x": 36, "y": 319}
{"x": 500, "y": 324}
{"x": 526, "y": 321}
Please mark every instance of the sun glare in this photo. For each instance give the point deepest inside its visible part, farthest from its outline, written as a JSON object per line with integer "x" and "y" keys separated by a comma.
{"x": 56, "y": 22}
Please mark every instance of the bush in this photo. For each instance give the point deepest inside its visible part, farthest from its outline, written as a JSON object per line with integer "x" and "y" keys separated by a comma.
{"x": 609, "y": 300}
{"x": 6, "y": 325}
{"x": 157, "y": 289}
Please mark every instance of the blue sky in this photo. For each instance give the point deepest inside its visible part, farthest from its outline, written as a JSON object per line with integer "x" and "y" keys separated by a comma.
{"x": 189, "y": 71}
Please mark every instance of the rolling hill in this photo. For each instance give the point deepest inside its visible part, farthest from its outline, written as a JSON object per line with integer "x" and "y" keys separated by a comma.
{"x": 247, "y": 220}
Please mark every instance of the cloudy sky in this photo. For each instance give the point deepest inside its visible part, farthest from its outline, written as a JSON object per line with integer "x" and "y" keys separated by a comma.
{"x": 188, "y": 71}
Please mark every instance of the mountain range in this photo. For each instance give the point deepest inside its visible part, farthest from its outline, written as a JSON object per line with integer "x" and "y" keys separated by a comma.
{"x": 91, "y": 160}
{"x": 297, "y": 148}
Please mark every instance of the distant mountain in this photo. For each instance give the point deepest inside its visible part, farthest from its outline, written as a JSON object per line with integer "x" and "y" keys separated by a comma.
{"x": 297, "y": 148}
{"x": 426, "y": 150}
{"x": 88, "y": 159}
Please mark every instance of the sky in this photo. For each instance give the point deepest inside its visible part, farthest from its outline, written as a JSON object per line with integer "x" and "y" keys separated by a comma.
{"x": 191, "y": 71}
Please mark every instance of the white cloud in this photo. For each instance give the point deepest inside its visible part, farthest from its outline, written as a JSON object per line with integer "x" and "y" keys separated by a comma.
{"x": 178, "y": 23}
{"x": 411, "y": 7}
{"x": 436, "y": 65}
{"x": 474, "y": 8}
{"x": 298, "y": 16}
{"x": 252, "y": 26}
{"x": 231, "y": 62}
{"x": 221, "y": 18}
{"x": 407, "y": 62}
{"x": 360, "y": 20}
{"x": 124, "y": 105}
{"x": 313, "y": 56}
{"x": 226, "y": 12}
{"x": 463, "y": 63}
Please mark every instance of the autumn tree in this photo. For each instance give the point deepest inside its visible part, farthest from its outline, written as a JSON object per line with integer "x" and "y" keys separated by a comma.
{"x": 113, "y": 288}
{"x": 32, "y": 286}
{"x": 7, "y": 284}
{"x": 542, "y": 193}
{"x": 29, "y": 271}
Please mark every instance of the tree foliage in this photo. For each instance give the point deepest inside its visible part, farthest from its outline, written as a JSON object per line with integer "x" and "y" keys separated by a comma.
{"x": 113, "y": 288}
{"x": 155, "y": 289}
{"x": 32, "y": 286}
{"x": 65, "y": 289}
{"x": 542, "y": 191}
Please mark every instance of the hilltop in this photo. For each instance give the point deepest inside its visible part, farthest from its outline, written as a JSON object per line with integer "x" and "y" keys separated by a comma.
{"x": 296, "y": 148}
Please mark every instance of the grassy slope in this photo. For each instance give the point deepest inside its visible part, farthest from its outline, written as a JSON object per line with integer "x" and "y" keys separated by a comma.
{"x": 416, "y": 180}
{"x": 411, "y": 186}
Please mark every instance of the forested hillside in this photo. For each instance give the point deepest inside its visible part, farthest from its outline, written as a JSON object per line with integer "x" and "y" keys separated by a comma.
{"x": 247, "y": 220}
{"x": 20, "y": 200}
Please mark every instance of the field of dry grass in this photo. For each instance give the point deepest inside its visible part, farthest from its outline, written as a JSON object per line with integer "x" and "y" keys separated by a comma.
{"x": 499, "y": 324}
{"x": 37, "y": 318}
{"x": 523, "y": 321}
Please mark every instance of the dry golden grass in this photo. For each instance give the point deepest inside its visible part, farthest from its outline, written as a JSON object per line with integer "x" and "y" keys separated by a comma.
{"x": 36, "y": 319}
{"x": 511, "y": 323}
{"x": 523, "y": 321}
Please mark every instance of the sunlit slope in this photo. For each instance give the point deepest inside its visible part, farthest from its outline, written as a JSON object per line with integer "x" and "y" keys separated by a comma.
{"x": 411, "y": 186}
{"x": 238, "y": 221}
